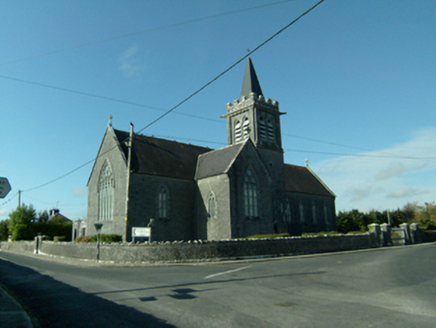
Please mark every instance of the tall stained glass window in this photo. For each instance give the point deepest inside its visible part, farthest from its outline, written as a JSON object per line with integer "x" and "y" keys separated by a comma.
{"x": 250, "y": 194}
{"x": 106, "y": 187}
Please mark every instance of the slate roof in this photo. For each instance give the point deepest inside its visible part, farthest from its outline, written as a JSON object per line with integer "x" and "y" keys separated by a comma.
{"x": 217, "y": 161}
{"x": 161, "y": 157}
{"x": 302, "y": 179}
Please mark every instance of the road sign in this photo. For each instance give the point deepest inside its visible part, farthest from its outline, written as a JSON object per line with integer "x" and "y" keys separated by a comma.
{"x": 141, "y": 232}
{"x": 5, "y": 187}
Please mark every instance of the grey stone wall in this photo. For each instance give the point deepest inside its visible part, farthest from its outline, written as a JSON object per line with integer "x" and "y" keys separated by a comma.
{"x": 204, "y": 250}
{"x": 195, "y": 251}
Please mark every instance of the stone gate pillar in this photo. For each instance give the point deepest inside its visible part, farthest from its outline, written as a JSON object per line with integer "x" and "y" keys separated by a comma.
{"x": 406, "y": 229}
{"x": 386, "y": 234}
{"x": 415, "y": 233}
{"x": 374, "y": 229}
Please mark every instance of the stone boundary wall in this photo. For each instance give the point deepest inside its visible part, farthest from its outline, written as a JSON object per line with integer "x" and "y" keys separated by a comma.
{"x": 378, "y": 236}
{"x": 193, "y": 251}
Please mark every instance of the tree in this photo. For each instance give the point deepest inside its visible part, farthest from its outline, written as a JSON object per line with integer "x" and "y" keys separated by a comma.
{"x": 409, "y": 211}
{"x": 20, "y": 222}
{"x": 426, "y": 216}
{"x": 349, "y": 221}
{"x": 22, "y": 215}
{"x": 43, "y": 217}
{"x": 4, "y": 230}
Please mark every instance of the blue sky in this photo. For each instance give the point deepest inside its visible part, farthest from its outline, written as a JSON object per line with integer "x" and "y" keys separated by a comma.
{"x": 357, "y": 80}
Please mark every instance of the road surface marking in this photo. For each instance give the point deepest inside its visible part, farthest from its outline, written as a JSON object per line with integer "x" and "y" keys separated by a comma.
{"x": 226, "y": 272}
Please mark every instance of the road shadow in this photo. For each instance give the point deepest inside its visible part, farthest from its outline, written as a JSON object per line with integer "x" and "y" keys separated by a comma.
{"x": 56, "y": 304}
{"x": 183, "y": 289}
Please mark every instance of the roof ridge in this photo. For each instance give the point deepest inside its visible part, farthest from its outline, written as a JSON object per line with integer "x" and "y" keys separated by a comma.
{"x": 163, "y": 139}
{"x": 320, "y": 181}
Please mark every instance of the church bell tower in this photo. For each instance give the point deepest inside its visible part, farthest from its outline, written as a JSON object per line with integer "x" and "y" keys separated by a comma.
{"x": 257, "y": 118}
{"x": 254, "y": 116}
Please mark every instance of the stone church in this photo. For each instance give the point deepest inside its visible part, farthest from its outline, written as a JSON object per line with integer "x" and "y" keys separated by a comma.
{"x": 188, "y": 192}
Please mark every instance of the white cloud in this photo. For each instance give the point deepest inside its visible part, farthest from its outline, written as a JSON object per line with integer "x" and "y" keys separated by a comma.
{"x": 79, "y": 191}
{"x": 404, "y": 192}
{"x": 4, "y": 212}
{"x": 385, "y": 179}
{"x": 128, "y": 64}
{"x": 393, "y": 170}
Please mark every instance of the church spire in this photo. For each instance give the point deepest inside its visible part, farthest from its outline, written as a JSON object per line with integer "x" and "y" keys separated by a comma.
{"x": 251, "y": 83}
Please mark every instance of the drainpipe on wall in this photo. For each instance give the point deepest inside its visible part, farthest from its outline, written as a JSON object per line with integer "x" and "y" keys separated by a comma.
{"x": 129, "y": 156}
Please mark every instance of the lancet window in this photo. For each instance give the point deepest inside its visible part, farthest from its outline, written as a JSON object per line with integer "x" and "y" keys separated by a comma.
{"x": 106, "y": 187}
{"x": 162, "y": 203}
{"x": 212, "y": 206}
{"x": 250, "y": 194}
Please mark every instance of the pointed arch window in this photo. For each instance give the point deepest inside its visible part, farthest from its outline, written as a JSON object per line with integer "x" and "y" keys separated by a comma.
{"x": 212, "y": 206}
{"x": 162, "y": 203}
{"x": 250, "y": 194}
{"x": 302, "y": 219}
{"x": 246, "y": 128}
{"x": 238, "y": 131}
{"x": 106, "y": 187}
{"x": 287, "y": 213}
{"x": 263, "y": 130}
{"x": 271, "y": 131}
{"x": 314, "y": 214}
{"x": 326, "y": 218}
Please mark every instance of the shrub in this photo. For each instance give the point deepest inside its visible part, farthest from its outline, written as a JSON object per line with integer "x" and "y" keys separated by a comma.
{"x": 83, "y": 239}
{"x": 104, "y": 238}
{"x": 107, "y": 238}
{"x": 4, "y": 230}
{"x": 52, "y": 229}
{"x": 269, "y": 236}
{"x": 22, "y": 232}
{"x": 321, "y": 233}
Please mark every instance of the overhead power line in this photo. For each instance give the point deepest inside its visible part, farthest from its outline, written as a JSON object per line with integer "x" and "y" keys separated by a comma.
{"x": 195, "y": 20}
{"x": 186, "y": 99}
{"x": 382, "y": 153}
{"x": 7, "y": 201}
{"x": 87, "y": 94}
{"x": 231, "y": 67}
{"x": 363, "y": 155}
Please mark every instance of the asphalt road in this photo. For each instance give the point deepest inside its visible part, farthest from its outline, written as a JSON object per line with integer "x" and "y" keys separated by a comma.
{"x": 390, "y": 287}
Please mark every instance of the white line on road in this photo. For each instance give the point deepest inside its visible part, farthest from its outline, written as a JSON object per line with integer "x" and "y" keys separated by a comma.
{"x": 226, "y": 272}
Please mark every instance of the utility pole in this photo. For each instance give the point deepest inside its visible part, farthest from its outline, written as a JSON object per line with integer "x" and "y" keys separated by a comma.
{"x": 19, "y": 198}
{"x": 129, "y": 159}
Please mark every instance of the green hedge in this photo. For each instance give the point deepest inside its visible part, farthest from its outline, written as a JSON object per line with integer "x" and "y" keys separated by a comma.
{"x": 269, "y": 236}
{"x": 104, "y": 238}
{"x": 51, "y": 230}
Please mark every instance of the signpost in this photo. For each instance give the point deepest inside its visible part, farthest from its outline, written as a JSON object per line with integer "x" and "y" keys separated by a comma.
{"x": 98, "y": 227}
{"x": 5, "y": 187}
{"x": 141, "y": 232}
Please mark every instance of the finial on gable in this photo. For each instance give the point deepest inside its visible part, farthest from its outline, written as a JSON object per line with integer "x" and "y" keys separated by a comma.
{"x": 307, "y": 162}
{"x": 109, "y": 123}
